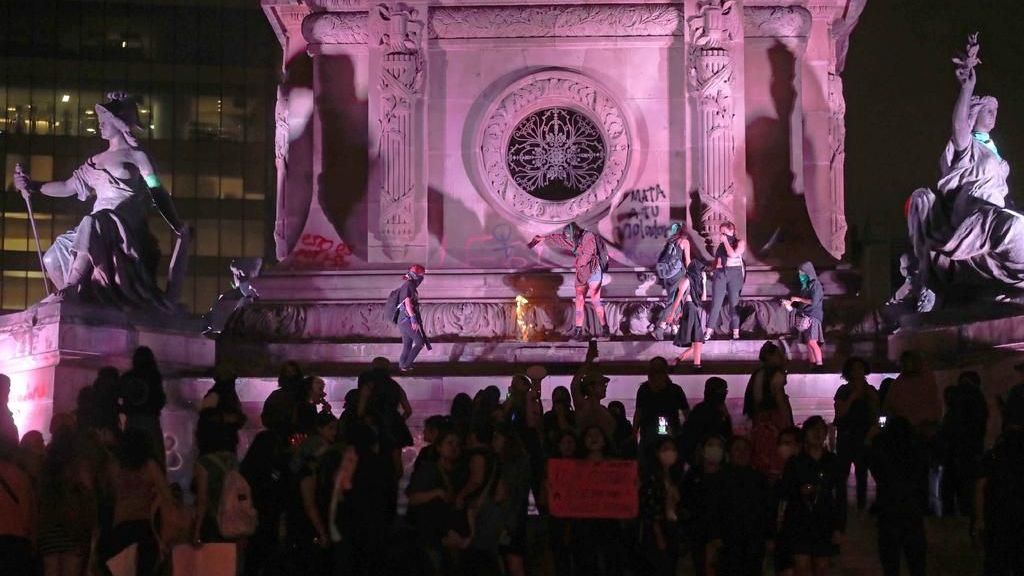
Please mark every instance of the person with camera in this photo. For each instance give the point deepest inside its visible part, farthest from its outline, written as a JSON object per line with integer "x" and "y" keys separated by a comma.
{"x": 727, "y": 279}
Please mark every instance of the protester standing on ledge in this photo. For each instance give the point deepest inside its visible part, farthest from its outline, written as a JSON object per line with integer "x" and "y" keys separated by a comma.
{"x": 810, "y": 312}
{"x": 671, "y": 270}
{"x": 410, "y": 322}
{"x": 591, "y": 264}
{"x": 727, "y": 279}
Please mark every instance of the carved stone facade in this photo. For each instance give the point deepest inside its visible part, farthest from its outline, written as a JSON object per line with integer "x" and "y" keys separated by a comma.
{"x": 644, "y": 111}
{"x": 572, "y": 21}
{"x": 534, "y": 93}
{"x": 712, "y": 76}
{"x": 475, "y": 321}
{"x": 399, "y": 118}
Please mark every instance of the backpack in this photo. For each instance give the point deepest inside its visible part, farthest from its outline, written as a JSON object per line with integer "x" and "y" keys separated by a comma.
{"x": 391, "y": 306}
{"x": 236, "y": 516}
{"x": 669, "y": 262}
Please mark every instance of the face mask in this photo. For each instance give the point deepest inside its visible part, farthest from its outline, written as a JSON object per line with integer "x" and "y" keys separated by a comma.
{"x": 713, "y": 454}
{"x": 786, "y": 451}
{"x": 668, "y": 457}
{"x": 804, "y": 280}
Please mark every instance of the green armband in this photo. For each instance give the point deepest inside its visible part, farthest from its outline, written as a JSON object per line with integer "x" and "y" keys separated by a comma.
{"x": 152, "y": 181}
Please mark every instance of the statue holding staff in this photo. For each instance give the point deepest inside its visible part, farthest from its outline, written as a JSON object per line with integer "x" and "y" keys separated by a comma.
{"x": 111, "y": 256}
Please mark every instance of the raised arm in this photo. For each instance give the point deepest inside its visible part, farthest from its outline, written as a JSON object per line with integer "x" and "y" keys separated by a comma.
{"x": 739, "y": 250}
{"x": 962, "y": 110}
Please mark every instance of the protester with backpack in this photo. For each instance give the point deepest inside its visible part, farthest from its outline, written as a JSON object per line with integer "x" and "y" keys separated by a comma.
{"x": 224, "y": 505}
{"x": 591, "y": 264}
{"x": 403, "y": 308}
{"x": 671, "y": 271}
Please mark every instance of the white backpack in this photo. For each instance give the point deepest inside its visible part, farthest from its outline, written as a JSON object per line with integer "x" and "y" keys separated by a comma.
{"x": 236, "y": 516}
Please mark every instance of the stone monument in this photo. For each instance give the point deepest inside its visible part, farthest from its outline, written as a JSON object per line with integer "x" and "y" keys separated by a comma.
{"x": 452, "y": 134}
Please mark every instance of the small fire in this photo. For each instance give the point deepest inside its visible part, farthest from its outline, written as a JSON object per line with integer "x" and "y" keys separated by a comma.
{"x": 521, "y": 323}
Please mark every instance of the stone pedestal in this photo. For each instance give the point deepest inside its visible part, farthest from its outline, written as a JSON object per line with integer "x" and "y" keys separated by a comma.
{"x": 51, "y": 351}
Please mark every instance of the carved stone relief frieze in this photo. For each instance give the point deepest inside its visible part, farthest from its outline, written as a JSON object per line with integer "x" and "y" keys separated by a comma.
{"x": 776, "y": 21}
{"x": 336, "y": 28}
{"x": 556, "y": 21}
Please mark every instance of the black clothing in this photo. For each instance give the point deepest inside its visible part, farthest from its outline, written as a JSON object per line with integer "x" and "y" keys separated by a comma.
{"x": 742, "y": 517}
{"x": 900, "y": 467}
{"x": 700, "y": 490}
{"x": 814, "y": 510}
{"x": 962, "y": 439}
{"x": 704, "y": 421}
{"x": 667, "y": 402}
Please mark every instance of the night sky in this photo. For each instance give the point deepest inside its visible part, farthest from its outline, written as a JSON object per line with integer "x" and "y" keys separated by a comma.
{"x": 900, "y": 91}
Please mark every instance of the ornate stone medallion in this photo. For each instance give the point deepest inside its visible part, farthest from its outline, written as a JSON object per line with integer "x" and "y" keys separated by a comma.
{"x": 555, "y": 154}
{"x": 553, "y": 147}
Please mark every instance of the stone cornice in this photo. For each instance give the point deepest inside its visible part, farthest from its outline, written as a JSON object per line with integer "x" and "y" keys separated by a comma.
{"x": 336, "y": 28}
{"x": 776, "y": 21}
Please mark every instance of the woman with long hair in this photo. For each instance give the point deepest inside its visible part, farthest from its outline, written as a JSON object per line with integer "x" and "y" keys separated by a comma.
{"x": 137, "y": 483}
{"x": 143, "y": 398}
{"x": 727, "y": 279}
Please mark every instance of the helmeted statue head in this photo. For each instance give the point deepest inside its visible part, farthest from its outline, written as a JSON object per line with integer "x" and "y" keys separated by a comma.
{"x": 120, "y": 114}
{"x": 982, "y": 115}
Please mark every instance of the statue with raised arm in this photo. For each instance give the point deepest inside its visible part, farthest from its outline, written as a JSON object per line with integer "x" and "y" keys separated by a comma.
{"x": 111, "y": 257}
{"x": 964, "y": 235}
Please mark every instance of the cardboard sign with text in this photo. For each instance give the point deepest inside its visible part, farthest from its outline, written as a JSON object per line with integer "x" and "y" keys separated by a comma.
{"x": 582, "y": 489}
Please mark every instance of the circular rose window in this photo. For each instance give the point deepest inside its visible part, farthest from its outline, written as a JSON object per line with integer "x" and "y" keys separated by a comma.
{"x": 552, "y": 148}
{"x": 555, "y": 154}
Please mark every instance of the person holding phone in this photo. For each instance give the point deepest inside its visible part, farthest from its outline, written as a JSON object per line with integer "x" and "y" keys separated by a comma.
{"x": 727, "y": 279}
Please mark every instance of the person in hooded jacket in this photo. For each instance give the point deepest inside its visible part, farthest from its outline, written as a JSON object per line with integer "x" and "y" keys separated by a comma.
{"x": 810, "y": 312}
{"x": 591, "y": 263}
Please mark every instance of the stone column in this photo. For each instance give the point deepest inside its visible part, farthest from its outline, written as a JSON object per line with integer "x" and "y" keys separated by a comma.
{"x": 713, "y": 84}
{"x": 825, "y": 112}
{"x": 332, "y": 38}
{"x": 397, "y": 110}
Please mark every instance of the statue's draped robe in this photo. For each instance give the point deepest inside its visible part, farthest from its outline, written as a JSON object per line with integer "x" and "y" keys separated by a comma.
{"x": 963, "y": 232}
{"x": 123, "y": 252}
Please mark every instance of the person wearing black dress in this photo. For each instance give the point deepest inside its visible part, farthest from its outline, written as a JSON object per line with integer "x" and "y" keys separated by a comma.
{"x": 814, "y": 515}
{"x": 691, "y": 333}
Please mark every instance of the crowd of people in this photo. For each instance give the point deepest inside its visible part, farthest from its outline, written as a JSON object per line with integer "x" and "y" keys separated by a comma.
{"x": 322, "y": 493}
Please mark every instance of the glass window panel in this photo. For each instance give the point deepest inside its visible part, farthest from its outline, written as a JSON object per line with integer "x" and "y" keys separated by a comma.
{"x": 207, "y": 237}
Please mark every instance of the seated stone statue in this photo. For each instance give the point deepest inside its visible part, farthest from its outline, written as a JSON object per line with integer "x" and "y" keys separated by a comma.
{"x": 963, "y": 234}
{"x": 111, "y": 257}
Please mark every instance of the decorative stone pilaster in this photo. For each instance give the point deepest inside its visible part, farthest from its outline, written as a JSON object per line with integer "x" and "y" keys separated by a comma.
{"x": 399, "y": 125}
{"x": 833, "y": 22}
{"x": 712, "y": 72}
